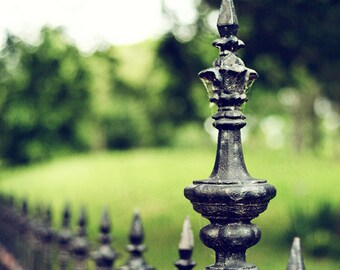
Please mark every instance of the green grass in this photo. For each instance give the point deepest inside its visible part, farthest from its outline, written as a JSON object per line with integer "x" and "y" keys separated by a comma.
{"x": 153, "y": 181}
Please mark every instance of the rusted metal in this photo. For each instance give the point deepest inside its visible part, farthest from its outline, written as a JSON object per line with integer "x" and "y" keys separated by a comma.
{"x": 229, "y": 198}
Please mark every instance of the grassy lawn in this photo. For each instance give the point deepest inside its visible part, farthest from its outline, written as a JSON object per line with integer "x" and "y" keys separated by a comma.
{"x": 153, "y": 181}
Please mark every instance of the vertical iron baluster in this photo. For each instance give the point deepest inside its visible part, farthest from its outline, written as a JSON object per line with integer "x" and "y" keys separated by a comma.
{"x": 230, "y": 198}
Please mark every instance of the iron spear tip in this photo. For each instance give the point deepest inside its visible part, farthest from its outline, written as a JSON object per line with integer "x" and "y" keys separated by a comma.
{"x": 227, "y": 22}
{"x": 187, "y": 237}
{"x": 296, "y": 259}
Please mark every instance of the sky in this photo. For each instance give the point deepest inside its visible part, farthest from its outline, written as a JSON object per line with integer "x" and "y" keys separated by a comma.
{"x": 89, "y": 22}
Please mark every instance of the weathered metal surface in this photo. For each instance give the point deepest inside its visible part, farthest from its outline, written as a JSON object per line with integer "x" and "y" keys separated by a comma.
{"x": 230, "y": 198}
{"x": 185, "y": 247}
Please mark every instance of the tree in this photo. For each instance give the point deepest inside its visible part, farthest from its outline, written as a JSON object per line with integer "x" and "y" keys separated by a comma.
{"x": 283, "y": 37}
{"x": 44, "y": 96}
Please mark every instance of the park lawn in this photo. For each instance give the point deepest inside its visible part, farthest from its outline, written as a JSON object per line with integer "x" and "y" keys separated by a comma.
{"x": 153, "y": 181}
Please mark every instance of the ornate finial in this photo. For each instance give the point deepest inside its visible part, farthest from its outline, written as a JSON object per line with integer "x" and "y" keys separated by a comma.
{"x": 228, "y": 80}
{"x": 105, "y": 255}
{"x": 230, "y": 198}
{"x": 295, "y": 261}
{"x": 185, "y": 248}
{"x": 136, "y": 246}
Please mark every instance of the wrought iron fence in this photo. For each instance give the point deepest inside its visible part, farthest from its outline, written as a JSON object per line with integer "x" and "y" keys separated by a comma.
{"x": 36, "y": 245}
{"x": 229, "y": 198}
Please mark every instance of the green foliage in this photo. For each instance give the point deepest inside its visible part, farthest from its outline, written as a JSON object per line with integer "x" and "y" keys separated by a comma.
{"x": 55, "y": 100}
{"x": 44, "y": 95}
{"x": 291, "y": 44}
{"x": 318, "y": 229}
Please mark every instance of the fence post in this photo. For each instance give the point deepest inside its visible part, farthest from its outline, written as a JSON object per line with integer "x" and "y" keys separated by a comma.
{"x": 230, "y": 198}
{"x": 136, "y": 247}
{"x": 185, "y": 247}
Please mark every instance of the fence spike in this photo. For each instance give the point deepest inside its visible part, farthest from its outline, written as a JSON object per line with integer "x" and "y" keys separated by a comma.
{"x": 80, "y": 245}
{"x": 47, "y": 232}
{"x": 185, "y": 247}
{"x": 64, "y": 238}
{"x": 295, "y": 261}
{"x": 105, "y": 255}
{"x": 136, "y": 247}
{"x": 65, "y": 234}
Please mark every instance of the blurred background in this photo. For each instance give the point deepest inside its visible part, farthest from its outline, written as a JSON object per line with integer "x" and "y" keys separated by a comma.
{"x": 100, "y": 103}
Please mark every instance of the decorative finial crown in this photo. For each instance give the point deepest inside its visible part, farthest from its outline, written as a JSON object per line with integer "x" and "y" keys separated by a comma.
{"x": 228, "y": 80}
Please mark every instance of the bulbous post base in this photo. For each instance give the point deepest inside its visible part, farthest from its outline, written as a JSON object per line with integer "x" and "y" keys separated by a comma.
{"x": 230, "y": 207}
